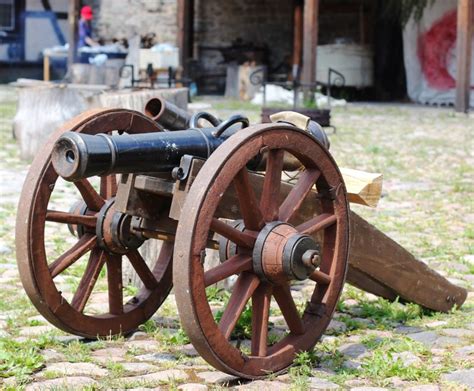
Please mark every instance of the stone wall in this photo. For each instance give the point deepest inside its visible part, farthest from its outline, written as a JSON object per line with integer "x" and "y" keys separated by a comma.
{"x": 126, "y": 18}
{"x": 269, "y": 22}
{"x": 217, "y": 23}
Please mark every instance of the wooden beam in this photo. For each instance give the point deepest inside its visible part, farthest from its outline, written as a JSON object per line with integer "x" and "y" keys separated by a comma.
{"x": 185, "y": 32}
{"x": 364, "y": 188}
{"x": 463, "y": 54}
{"x": 73, "y": 17}
{"x": 310, "y": 40}
{"x": 393, "y": 270}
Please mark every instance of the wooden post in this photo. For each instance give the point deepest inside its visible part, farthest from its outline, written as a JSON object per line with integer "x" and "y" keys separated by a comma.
{"x": 185, "y": 32}
{"x": 310, "y": 41}
{"x": 297, "y": 38}
{"x": 46, "y": 68}
{"x": 463, "y": 54}
{"x": 73, "y": 17}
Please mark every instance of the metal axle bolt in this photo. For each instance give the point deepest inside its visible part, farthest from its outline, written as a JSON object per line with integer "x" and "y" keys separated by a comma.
{"x": 311, "y": 258}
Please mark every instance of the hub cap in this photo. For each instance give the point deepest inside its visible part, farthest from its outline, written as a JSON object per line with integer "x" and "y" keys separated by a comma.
{"x": 282, "y": 254}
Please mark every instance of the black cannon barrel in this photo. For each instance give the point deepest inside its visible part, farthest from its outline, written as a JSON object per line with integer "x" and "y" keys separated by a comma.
{"x": 167, "y": 114}
{"x": 77, "y": 155}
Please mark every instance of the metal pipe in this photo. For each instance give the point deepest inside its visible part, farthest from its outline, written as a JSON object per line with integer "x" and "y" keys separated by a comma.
{"x": 167, "y": 114}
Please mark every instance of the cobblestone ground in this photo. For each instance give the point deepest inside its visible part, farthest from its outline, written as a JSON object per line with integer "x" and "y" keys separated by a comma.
{"x": 426, "y": 156}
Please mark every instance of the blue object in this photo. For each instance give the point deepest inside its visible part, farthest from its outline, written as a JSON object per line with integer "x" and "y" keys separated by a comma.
{"x": 85, "y": 31}
{"x": 50, "y": 15}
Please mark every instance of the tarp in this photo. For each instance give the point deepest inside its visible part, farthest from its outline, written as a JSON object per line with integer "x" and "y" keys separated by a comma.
{"x": 430, "y": 55}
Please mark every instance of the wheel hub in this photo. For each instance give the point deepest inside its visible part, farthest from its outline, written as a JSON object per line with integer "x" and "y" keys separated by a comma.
{"x": 227, "y": 248}
{"x": 114, "y": 230}
{"x": 78, "y": 208}
{"x": 282, "y": 254}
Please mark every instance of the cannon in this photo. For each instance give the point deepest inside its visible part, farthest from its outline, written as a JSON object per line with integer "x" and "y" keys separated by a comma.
{"x": 203, "y": 190}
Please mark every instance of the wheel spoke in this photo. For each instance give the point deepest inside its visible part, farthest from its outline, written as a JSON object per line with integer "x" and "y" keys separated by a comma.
{"x": 234, "y": 265}
{"x": 234, "y": 235}
{"x": 164, "y": 259}
{"x": 320, "y": 277}
{"x": 88, "y": 280}
{"x": 271, "y": 185}
{"x": 244, "y": 288}
{"x": 297, "y": 195}
{"x": 108, "y": 186}
{"x": 260, "y": 312}
{"x": 248, "y": 202}
{"x": 115, "y": 284}
{"x": 92, "y": 199}
{"x": 83, "y": 245}
{"x": 71, "y": 218}
{"x": 317, "y": 223}
{"x": 142, "y": 269}
{"x": 288, "y": 308}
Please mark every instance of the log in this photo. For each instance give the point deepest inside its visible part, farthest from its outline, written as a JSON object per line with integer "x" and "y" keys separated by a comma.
{"x": 362, "y": 187}
{"x": 391, "y": 269}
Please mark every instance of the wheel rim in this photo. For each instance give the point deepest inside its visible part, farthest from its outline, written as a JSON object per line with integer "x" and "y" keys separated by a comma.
{"x": 37, "y": 272}
{"x": 225, "y": 167}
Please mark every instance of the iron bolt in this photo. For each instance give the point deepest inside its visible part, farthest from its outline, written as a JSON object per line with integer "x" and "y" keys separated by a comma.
{"x": 311, "y": 258}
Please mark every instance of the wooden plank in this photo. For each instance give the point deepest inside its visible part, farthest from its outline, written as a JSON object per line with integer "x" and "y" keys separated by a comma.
{"x": 363, "y": 281}
{"x": 364, "y": 188}
{"x": 310, "y": 41}
{"x": 463, "y": 54}
{"x": 384, "y": 260}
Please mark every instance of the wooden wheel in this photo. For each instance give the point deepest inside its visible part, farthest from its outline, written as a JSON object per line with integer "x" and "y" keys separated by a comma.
{"x": 43, "y": 271}
{"x": 275, "y": 248}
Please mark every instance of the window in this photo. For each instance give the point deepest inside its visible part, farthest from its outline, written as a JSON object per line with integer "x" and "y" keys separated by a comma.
{"x": 7, "y": 15}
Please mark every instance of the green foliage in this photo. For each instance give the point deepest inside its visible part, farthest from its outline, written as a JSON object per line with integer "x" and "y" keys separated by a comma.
{"x": 243, "y": 328}
{"x": 19, "y": 359}
{"x": 178, "y": 338}
{"x": 384, "y": 311}
{"x": 130, "y": 290}
{"x": 216, "y": 294}
{"x": 148, "y": 327}
{"x": 117, "y": 369}
{"x": 304, "y": 362}
{"x": 77, "y": 351}
{"x": 301, "y": 370}
{"x": 352, "y": 324}
{"x": 382, "y": 364}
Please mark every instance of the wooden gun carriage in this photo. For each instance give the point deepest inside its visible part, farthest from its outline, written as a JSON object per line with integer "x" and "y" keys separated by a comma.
{"x": 199, "y": 190}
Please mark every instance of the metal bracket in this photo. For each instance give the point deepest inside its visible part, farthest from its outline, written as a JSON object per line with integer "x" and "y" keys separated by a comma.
{"x": 181, "y": 173}
{"x": 315, "y": 309}
{"x": 330, "y": 193}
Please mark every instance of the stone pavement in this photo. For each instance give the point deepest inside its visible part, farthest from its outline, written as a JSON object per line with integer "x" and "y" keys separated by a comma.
{"x": 370, "y": 344}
